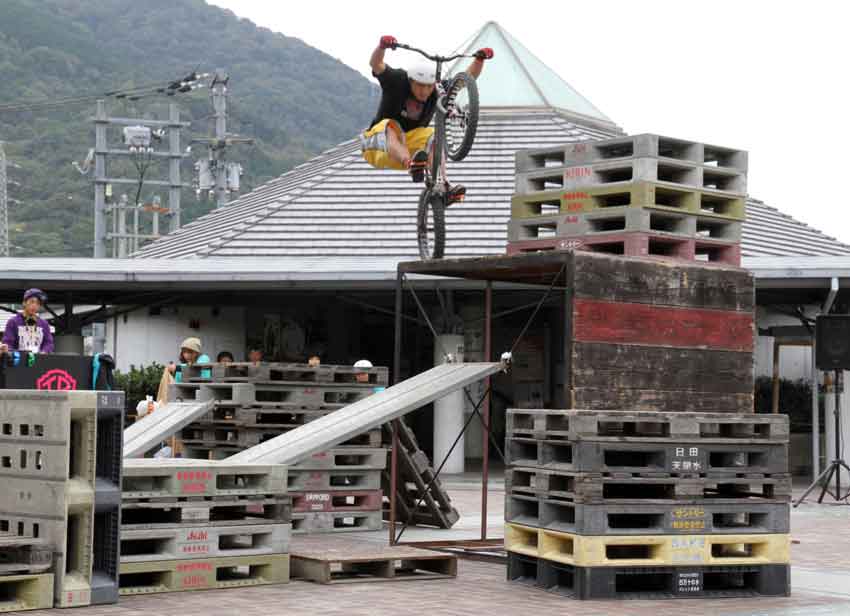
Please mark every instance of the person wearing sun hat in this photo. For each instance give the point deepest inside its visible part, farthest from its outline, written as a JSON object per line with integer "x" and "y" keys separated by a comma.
{"x": 190, "y": 354}
{"x": 26, "y": 331}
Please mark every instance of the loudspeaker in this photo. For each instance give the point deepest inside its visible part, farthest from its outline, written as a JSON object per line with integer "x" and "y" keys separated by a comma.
{"x": 833, "y": 342}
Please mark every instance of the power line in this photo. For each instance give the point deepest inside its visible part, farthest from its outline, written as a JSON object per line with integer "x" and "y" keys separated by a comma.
{"x": 183, "y": 85}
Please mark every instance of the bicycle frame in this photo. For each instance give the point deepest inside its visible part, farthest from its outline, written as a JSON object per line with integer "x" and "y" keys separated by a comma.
{"x": 436, "y": 182}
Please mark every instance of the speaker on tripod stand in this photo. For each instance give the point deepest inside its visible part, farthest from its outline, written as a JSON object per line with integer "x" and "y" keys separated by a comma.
{"x": 832, "y": 352}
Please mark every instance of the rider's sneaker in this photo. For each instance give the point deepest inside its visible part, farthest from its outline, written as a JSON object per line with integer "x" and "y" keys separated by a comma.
{"x": 417, "y": 166}
{"x": 455, "y": 193}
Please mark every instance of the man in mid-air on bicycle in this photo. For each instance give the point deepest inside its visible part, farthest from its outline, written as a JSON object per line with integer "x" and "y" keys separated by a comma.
{"x": 400, "y": 136}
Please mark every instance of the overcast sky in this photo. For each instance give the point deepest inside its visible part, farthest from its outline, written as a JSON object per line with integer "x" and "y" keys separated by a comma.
{"x": 768, "y": 77}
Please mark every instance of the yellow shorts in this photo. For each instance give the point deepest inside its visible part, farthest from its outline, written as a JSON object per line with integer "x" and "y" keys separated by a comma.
{"x": 373, "y": 143}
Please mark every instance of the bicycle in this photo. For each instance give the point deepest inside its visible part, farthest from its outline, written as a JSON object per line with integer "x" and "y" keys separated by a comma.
{"x": 455, "y": 124}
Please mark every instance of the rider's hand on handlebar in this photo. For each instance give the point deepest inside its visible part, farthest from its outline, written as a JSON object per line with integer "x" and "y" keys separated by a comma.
{"x": 388, "y": 42}
{"x": 485, "y": 53}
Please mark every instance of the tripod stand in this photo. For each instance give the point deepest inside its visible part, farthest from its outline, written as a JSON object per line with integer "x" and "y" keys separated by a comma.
{"x": 835, "y": 466}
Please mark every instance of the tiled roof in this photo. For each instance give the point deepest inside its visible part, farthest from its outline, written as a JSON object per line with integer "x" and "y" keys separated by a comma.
{"x": 337, "y": 205}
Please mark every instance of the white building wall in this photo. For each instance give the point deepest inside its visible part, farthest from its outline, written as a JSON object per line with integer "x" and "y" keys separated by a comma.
{"x": 144, "y": 338}
{"x": 794, "y": 362}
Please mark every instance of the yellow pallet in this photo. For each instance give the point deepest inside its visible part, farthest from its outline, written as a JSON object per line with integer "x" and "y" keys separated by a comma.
{"x": 144, "y": 578}
{"x": 634, "y": 194}
{"x": 26, "y": 592}
{"x": 648, "y": 550}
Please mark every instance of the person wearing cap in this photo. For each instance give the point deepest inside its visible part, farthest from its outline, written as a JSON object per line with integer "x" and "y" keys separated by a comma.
{"x": 190, "y": 354}
{"x": 363, "y": 377}
{"x": 399, "y": 136}
{"x": 26, "y": 331}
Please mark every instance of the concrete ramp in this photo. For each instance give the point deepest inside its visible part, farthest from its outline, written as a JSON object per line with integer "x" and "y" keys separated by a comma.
{"x": 155, "y": 427}
{"x": 339, "y": 426}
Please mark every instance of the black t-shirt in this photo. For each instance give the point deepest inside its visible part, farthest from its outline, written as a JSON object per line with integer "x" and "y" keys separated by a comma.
{"x": 395, "y": 90}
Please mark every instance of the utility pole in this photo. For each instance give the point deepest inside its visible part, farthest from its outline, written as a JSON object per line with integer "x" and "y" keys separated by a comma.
{"x": 224, "y": 175}
{"x": 4, "y": 211}
{"x": 139, "y": 136}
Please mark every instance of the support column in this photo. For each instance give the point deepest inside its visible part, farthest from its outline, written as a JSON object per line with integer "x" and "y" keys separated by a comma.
{"x": 448, "y": 410}
{"x": 815, "y": 415}
{"x": 485, "y": 409}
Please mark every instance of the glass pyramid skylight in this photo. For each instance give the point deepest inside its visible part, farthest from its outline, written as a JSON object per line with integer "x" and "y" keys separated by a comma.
{"x": 517, "y": 78}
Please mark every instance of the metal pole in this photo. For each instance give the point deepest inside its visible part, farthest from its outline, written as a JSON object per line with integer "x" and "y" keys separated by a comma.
{"x": 100, "y": 124}
{"x": 815, "y": 415}
{"x": 774, "y": 402}
{"x": 4, "y": 206}
{"x": 175, "y": 156}
{"x": 399, "y": 306}
{"x": 134, "y": 243}
{"x": 122, "y": 227}
{"x": 219, "y": 96}
{"x": 839, "y": 385}
{"x": 485, "y": 409}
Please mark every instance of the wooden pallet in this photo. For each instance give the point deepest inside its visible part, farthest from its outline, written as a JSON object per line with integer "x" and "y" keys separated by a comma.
{"x": 423, "y": 506}
{"x": 337, "y": 560}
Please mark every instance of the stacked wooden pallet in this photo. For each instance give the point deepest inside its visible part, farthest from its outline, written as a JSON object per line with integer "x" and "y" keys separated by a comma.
{"x": 195, "y": 525}
{"x": 60, "y": 463}
{"x": 643, "y": 195}
{"x": 615, "y": 504}
{"x": 332, "y": 491}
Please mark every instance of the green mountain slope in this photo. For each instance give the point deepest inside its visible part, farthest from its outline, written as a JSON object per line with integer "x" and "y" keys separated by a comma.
{"x": 294, "y": 100}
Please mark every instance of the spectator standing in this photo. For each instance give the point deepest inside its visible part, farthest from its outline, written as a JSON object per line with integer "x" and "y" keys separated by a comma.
{"x": 26, "y": 331}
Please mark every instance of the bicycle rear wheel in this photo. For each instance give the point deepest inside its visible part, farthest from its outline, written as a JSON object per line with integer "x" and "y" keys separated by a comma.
{"x": 461, "y": 119}
{"x": 431, "y": 224}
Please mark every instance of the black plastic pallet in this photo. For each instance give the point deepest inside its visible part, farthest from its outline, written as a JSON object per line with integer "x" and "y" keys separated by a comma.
{"x": 106, "y": 555}
{"x": 630, "y": 488}
{"x": 677, "y": 517}
{"x": 110, "y": 448}
{"x": 644, "y": 426}
{"x": 685, "y": 458}
{"x": 650, "y": 582}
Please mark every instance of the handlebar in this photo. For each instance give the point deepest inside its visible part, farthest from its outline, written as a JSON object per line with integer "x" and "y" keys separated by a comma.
{"x": 434, "y": 58}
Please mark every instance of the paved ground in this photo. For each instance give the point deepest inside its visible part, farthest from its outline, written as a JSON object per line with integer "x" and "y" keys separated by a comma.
{"x": 820, "y": 582}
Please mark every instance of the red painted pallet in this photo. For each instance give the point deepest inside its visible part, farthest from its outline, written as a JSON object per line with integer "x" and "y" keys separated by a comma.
{"x": 639, "y": 244}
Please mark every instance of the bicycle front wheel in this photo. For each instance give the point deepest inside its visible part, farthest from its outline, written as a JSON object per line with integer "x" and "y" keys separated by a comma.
{"x": 431, "y": 224}
{"x": 461, "y": 119}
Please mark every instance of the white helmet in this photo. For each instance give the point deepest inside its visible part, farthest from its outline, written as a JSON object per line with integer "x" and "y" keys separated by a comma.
{"x": 362, "y": 363}
{"x": 424, "y": 72}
